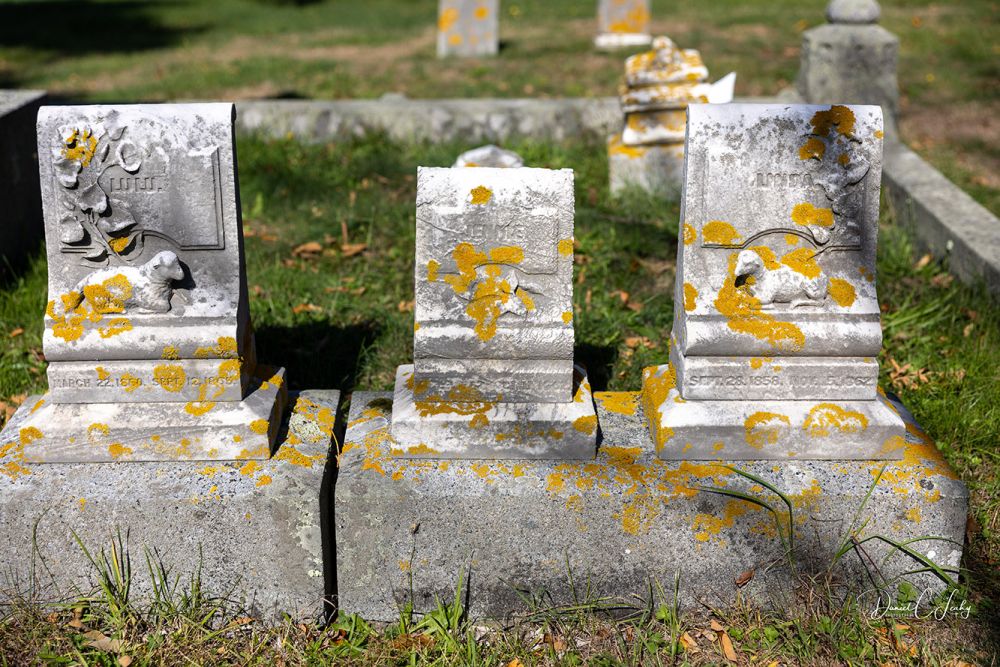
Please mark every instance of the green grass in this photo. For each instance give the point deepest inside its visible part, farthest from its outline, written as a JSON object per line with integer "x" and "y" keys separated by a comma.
{"x": 345, "y": 321}
{"x": 123, "y": 50}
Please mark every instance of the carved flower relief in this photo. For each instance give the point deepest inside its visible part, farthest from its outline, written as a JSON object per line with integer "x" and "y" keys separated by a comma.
{"x": 80, "y": 159}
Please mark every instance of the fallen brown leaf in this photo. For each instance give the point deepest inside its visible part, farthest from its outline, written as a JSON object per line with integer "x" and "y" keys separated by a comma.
{"x": 17, "y": 332}
{"x": 102, "y": 642}
{"x": 306, "y": 308}
{"x": 727, "y": 647}
{"x": 405, "y": 306}
{"x": 689, "y": 643}
{"x": 124, "y": 660}
{"x": 942, "y": 280}
{"x": 516, "y": 662}
{"x": 17, "y": 399}
{"x": 744, "y": 579}
{"x": 967, "y": 331}
{"x": 923, "y": 261}
{"x": 621, "y": 294}
{"x": 716, "y": 626}
{"x": 635, "y": 306}
{"x": 308, "y": 250}
{"x": 352, "y": 249}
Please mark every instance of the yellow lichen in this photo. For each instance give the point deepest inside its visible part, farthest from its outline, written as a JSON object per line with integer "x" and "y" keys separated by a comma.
{"x": 170, "y": 377}
{"x": 481, "y": 195}
{"x": 828, "y": 417}
{"x": 806, "y": 214}
{"x": 744, "y": 315}
{"x": 813, "y": 148}
{"x": 837, "y": 116}
{"x": 690, "y": 296}
{"x": 717, "y": 231}
{"x": 586, "y": 424}
{"x": 763, "y": 428}
{"x": 802, "y": 260}
{"x": 565, "y": 247}
{"x": 259, "y": 426}
{"x": 842, "y": 292}
{"x": 117, "y": 450}
{"x": 619, "y": 402}
{"x": 690, "y": 234}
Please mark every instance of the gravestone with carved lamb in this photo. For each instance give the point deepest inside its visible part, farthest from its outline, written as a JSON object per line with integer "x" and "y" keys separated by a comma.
{"x": 156, "y": 401}
{"x": 772, "y": 353}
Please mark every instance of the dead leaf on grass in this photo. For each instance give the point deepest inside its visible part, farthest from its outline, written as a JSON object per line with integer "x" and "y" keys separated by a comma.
{"x": 352, "y": 249}
{"x": 744, "y": 579}
{"x": 306, "y": 308}
{"x": 727, "y": 647}
{"x": 923, "y": 261}
{"x": 17, "y": 332}
{"x": 102, "y": 642}
{"x": 405, "y": 306}
{"x": 689, "y": 643}
{"x": 308, "y": 250}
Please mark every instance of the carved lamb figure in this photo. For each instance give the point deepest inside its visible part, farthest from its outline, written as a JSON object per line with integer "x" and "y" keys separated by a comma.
{"x": 780, "y": 285}
{"x": 146, "y": 289}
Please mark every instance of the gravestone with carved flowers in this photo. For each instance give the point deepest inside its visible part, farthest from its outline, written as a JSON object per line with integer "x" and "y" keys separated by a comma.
{"x": 159, "y": 426}
{"x": 777, "y": 322}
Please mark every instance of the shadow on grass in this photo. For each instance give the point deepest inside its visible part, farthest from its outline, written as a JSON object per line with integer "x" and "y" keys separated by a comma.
{"x": 316, "y": 355}
{"x": 75, "y": 27}
{"x": 598, "y": 360}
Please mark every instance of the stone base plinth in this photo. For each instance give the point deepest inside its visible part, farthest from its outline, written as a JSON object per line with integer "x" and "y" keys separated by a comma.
{"x": 655, "y": 168}
{"x": 254, "y": 530}
{"x": 612, "y": 41}
{"x": 617, "y": 526}
{"x": 749, "y": 429}
{"x": 479, "y": 430}
{"x": 45, "y": 432}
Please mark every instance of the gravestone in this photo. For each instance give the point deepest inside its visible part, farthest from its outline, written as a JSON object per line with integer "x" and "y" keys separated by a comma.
{"x": 622, "y": 23}
{"x": 659, "y": 84}
{"x": 776, "y": 329}
{"x": 468, "y": 28}
{"x": 21, "y": 221}
{"x": 159, "y": 425}
{"x": 489, "y": 156}
{"x": 851, "y": 59}
{"x": 493, "y": 372}
{"x": 147, "y": 327}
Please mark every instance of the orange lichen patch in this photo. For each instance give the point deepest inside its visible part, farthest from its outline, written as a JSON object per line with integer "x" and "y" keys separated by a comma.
{"x": 224, "y": 348}
{"x": 616, "y": 147}
{"x": 837, "y": 116}
{"x": 324, "y": 417}
{"x": 843, "y": 159}
{"x": 289, "y": 454}
{"x": 170, "y": 377}
{"x": 717, "y": 231}
{"x": 806, "y": 214}
{"x": 209, "y": 471}
{"x": 565, "y": 247}
{"x": 129, "y": 382}
{"x": 81, "y": 145}
{"x": 12, "y": 454}
{"x": 657, "y": 382}
{"x": 879, "y": 134}
{"x": 97, "y": 431}
{"x": 432, "y": 270}
{"x": 829, "y": 417}
{"x": 492, "y": 293}
{"x": 480, "y": 195}
{"x": 36, "y": 406}
{"x": 913, "y": 514}
{"x": 117, "y": 450}
{"x": 525, "y": 298}
{"x": 757, "y": 363}
{"x": 767, "y": 256}
{"x": 199, "y": 407}
{"x": 791, "y": 239}
{"x": 690, "y": 234}
{"x": 478, "y": 421}
{"x": 481, "y": 12}
{"x": 866, "y": 274}
{"x": 586, "y": 424}
{"x": 842, "y": 292}
{"x": 690, "y": 297}
{"x": 119, "y": 244}
{"x": 115, "y": 326}
{"x": 619, "y": 402}
{"x": 813, "y": 149}
{"x": 82, "y": 502}
{"x": 708, "y": 527}
{"x": 250, "y": 468}
{"x": 259, "y": 426}
{"x": 802, "y": 260}
{"x": 554, "y": 483}
{"x": 170, "y": 353}
{"x": 567, "y": 316}
{"x": 447, "y": 18}
{"x": 744, "y": 315}
{"x": 763, "y": 428}
{"x": 416, "y": 450}
{"x": 263, "y": 480}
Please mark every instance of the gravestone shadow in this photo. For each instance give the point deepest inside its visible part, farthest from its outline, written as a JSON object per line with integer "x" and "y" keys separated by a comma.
{"x": 598, "y": 360}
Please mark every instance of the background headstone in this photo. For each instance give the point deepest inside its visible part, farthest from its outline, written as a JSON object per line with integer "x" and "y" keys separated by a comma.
{"x": 622, "y": 23}
{"x": 851, "y": 60}
{"x": 468, "y": 28}
{"x": 21, "y": 219}
{"x": 489, "y": 156}
{"x": 777, "y": 327}
{"x": 659, "y": 84}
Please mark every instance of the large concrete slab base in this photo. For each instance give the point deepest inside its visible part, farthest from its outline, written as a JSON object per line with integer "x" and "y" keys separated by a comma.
{"x": 253, "y": 530}
{"x": 616, "y": 526}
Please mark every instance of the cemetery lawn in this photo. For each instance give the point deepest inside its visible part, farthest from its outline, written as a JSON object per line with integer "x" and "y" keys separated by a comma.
{"x": 329, "y": 243}
{"x": 121, "y": 50}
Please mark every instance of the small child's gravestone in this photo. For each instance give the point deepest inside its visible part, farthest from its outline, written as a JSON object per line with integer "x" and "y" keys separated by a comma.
{"x": 468, "y": 28}
{"x": 622, "y": 23}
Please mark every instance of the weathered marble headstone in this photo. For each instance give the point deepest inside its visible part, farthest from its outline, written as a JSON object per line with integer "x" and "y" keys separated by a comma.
{"x": 21, "y": 217}
{"x": 147, "y": 328}
{"x": 622, "y": 23}
{"x": 776, "y": 327}
{"x": 493, "y": 373}
{"x": 659, "y": 84}
{"x": 489, "y": 156}
{"x": 851, "y": 60}
{"x": 468, "y": 28}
